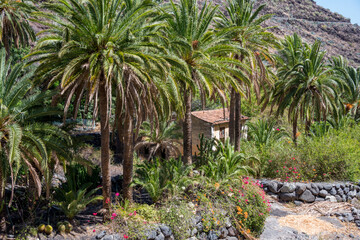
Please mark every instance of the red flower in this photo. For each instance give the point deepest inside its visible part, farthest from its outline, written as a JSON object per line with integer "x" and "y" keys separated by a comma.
{"x": 94, "y": 213}
{"x": 94, "y": 230}
{"x": 126, "y": 236}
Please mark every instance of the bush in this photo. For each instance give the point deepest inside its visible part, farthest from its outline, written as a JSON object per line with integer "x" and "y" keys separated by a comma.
{"x": 163, "y": 178}
{"x": 327, "y": 155}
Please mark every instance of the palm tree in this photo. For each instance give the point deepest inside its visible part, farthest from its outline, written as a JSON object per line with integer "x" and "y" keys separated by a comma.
{"x": 264, "y": 132}
{"x": 309, "y": 89}
{"x": 23, "y": 142}
{"x": 14, "y": 24}
{"x": 97, "y": 48}
{"x": 351, "y": 79}
{"x": 192, "y": 40}
{"x": 164, "y": 139}
{"x": 243, "y": 23}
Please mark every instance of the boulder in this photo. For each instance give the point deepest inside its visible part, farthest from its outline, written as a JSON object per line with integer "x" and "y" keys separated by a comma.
{"x": 346, "y": 190}
{"x": 287, "y": 196}
{"x": 332, "y": 191}
{"x": 300, "y": 189}
{"x": 273, "y": 187}
{"x": 288, "y": 188}
{"x": 307, "y": 196}
{"x": 338, "y": 198}
{"x": 323, "y": 193}
{"x": 319, "y": 199}
{"x": 166, "y": 231}
{"x": 327, "y": 187}
{"x": 330, "y": 198}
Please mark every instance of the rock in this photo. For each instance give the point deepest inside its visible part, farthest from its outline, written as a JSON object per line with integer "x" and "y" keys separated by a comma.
{"x": 327, "y": 187}
{"x": 288, "y": 188}
{"x": 101, "y": 235}
{"x": 231, "y": 238}
{"x": 300, "y": 189}
{"x": 212, "y": 235}
{"x": 227, "y": 222}
{"x": 192, "y": 238}
{"x": 330, "y": 198}
{"x": 166, "y": 231}
{"x": 152, "y": 235}
{"x": 223, "y": 232}
{"x": 194, "y": 231}
{"x": 273, "y": 187}
{"x": 333, "y": 191}
{"x": 338, "y": 198}
{"x": 117, "y": 237}
{"x": 232, "y": 231}
{"x": 340, "y": 192}
{"x": 298, "y": 203}
{"x": 344, "y": 198}
{"x": 307, "y": 196}
{"x": 337, "y": 186}
{"x": 323, "y": 193}
{"x": 346, "y": 190}
{"x": 202, "y": 236}
{"x": 320, "y": 186}
{"x": 319, "y": 199}
{"x": 351, "y": 235}
{"x": 314, "y": 189}
{"x": 108, "y": 237}
{"x": 352, "y": 194}
{"x": 200, "y": 226}
{"x": 287, "y": 196}
{"x": 160, "y": 236}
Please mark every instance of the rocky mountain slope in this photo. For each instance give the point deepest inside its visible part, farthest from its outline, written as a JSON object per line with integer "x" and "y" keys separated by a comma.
{"x": 312, "y": 22}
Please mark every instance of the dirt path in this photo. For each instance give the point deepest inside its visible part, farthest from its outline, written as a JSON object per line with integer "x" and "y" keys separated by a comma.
{"x": 310, "y": 221}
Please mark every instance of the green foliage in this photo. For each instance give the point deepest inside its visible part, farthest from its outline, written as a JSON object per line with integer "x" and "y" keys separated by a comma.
{"x": 178, "y": 216}
{"x": 223, "y": 163}
{"x": 326, "y": 155}
{"x": 163, "y": 177}
{"x": 265, "y": 132}
{"x": 75, "y": 200}
{"x": 163, "y": 140}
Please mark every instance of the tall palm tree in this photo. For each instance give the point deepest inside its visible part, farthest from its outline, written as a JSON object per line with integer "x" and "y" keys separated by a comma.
{"x": 95, "y": 48}
{"x": 164, "y": 139}
{"x": 191, "y": 39}
{"x": 309, "y": 89}
{"x": 14, "y": 24}
{"x": 243, "y": 23}
{"x": 23, "y": 142}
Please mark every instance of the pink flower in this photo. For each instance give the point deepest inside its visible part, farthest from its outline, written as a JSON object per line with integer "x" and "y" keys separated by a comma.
{"x": 94, "y": 213}
{"x": 114, "y": 214}
{"x": 294, "y": 168}
{"x": 112, "y": 218}
{"x": 284, "y": 167}
{"x": 126, "y": 236}
{"x": 293, "y": 158}
{"x": 130, "y": 214}
{"x": 117, "y": 194}
{"x": 277, "y": 170}
{"x": 94, "y": 230}
{"x": 277, "y": 129}
{"x": 270, "y": 160}
{"x": 134, "y": 213}
{"x": 107, "y": 200}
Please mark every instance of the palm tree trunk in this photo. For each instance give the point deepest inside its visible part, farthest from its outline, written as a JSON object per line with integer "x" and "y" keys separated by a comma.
{"x": 128, "y": 158}
{"x": 232, "y": 117}
{"x": 187, "y": 129}
{"x": 237, "y": 121}
{"x": 2, "y": 206}
{"x": 105, "y": 144}
{"x": 307, "y": 126}
{"x": 295, "y": 130}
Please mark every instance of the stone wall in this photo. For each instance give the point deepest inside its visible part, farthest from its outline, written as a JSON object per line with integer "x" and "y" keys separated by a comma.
{"x": 311, "y": 192}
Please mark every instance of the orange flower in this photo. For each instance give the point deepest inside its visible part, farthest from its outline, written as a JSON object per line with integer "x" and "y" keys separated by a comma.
{"x": 245, "y": 215}
{"x": 298, "y": 134}
{"x": 217, "y": 185}
{"x": 248, "y": 231}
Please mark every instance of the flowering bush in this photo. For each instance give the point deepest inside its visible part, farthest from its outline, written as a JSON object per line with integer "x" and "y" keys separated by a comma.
{"x": 178, "y": 216}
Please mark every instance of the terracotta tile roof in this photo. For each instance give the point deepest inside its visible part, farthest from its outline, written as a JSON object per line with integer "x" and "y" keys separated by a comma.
{"x": 214, "y": 116}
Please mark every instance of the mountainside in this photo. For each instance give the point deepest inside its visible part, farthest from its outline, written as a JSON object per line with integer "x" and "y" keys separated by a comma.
{"x": 312, "y": 22}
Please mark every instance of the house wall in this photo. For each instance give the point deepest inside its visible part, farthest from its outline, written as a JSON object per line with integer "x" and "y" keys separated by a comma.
{"x": 216, "y": 132}
{"x": 199, "y": 127}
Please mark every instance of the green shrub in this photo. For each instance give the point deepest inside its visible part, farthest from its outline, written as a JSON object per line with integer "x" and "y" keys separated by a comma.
{"x": 329, "y": 154}
{"x": 168, "y": 177}
{"x": 178, "y": 216}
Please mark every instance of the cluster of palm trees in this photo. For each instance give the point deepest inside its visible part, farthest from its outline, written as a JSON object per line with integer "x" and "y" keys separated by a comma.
{"x": 138, "y": 60}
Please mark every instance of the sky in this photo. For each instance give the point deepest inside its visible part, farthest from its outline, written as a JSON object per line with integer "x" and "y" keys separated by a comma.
{"x": 347, "y": 8}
